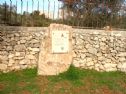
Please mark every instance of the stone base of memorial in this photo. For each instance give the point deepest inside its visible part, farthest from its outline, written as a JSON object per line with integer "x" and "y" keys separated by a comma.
{"x": 56, "y": 51}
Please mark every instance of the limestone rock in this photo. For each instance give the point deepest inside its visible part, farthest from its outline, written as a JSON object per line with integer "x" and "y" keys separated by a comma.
{"x": 108, "y": 60}
{"x": 99, "y": 54}
{"x": 96, "y": 38}
{"x": 101, "y": 58}
{"x": 91, "y": 63}
{"x": 4, "y": 58}
{"x": 17, "y": 34}
{"x": 17, "y": 54}
{"x": 9, "y": 48}
{"x": 87, "y": 46}
{"x": 101, "y": 68}
{"x": 110, "y": 67}
{"x": 34, "y": 41}
{"x": 122, "y": 54}
{"x": 18, "y": 58}
{"x": 11, "y": 61}
{"x": 76, "y": 63}
{"x": 23, "y": 62}
{"x": 22, "y": 41}
{"x": 83, "y": 56}
{"x": 13, "y": 42}
{"x": 103, "y": 39}
{"x": 36, "y": 45}
{"x": 97, "y": 66}
{"x": 11, "y": 56}
{"x": 92, "y": 50}
{"x": 89, "y": 59}
{"x": 122, "y": 67}
{"x": 17, "y": 67}
{"x": 33, "y": 62}
{"x": 122, "y": 59}
{"x": 3, "y": 66}
{"x": 24, "y": 66}
{"x": 20, "y": 48}
{"x": 34, "y": 49}
{"x": 50, "y": 63}
{"x": 21, "y": 54}
{"x": 30, "y": 57}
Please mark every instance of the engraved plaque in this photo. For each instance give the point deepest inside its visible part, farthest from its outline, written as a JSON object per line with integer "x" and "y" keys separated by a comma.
{"x": 60, "y": 41}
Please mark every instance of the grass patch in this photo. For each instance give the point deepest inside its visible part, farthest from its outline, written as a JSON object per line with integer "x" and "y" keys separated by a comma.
{"x": 74, "y": 75}
{"x": 72, "y": 81}
{"x": 12, "y": 81}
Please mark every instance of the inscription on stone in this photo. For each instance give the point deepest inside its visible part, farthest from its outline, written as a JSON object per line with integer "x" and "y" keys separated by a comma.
{"x": 60, "y": 41}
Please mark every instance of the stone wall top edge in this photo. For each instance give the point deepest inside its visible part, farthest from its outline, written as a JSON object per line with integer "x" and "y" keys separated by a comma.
{"x": 100, "y": 32}
{"x": 19, "y": 28}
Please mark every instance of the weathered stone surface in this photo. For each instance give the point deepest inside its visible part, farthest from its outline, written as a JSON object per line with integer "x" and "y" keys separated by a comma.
{"x": 76, "y": 63}
{"x": 17, "y": 67}
{"x": 5, "y": 58}
{"x": 14, "y": 49}
{"x": 106, "y": 50}
{"x": 92, "y": 50}
{"x": 110, "y": 67}
{"x": 11, "y": 55}
{"x": 101, "y": 58}
{"x": 122, "y": 59}
{"x": 18, "y": 58}
{"x": 83, "y": 56}
{"x": 11, "y": 61}
{"x": 54, "y": 63}
{"x": 30, "y": 57}
{"x": 34, "y": 49}
{"x": 9, "y": 48}
{"x": 23, "y": 62}
{"x": 23, "y": 66}
{"x": 91, "y": 63}
{"x": 122, "y": 67}
{"x": 34, "y": 41}
{"x": 20, "y": 48}
{"x": 108, "y": 61}
{"x": 103, "y": 39}
{"x": 22, "y": 41}
{"x": 33, "y": 62}
{"x": 13, "y": 42}
{"x": 17, "y": 54}
{"x": 101, "y": 68}
{"x": 3, "y": 66}
{"x": 121, "y": 54}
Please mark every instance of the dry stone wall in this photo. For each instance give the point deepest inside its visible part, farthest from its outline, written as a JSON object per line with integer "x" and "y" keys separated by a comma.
{"x": 19, "y": 47}
{"x": 100, "y": 50}
{"x": 94, "y": 49}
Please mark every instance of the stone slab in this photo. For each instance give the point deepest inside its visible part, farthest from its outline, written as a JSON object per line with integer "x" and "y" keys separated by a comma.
{"x": 57, "y": 61}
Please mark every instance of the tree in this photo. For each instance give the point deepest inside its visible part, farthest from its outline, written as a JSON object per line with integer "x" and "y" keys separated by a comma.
{"x": 35, "y": 19}
{"x": 92, "y": 12}
{"x": 9, "y": 16}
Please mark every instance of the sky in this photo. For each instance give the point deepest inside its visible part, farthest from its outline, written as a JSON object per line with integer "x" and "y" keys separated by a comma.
{"x": 46, "y": 4}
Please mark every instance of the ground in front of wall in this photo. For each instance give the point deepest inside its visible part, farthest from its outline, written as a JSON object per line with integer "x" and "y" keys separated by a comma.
{"x": 74, "y": 81}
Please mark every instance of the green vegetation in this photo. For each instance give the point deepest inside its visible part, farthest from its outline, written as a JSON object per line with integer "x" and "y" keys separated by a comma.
{"x": 73, "y": 75}
{"x": 96, "y": 13}
{"x": 83, "y": 13}
{"x": 18, "y": 82}
{"x": 25, "y": 19}
{"x": 73, "y": 81}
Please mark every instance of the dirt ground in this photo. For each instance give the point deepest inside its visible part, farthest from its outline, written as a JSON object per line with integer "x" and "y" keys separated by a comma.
{"x": 1, "y": 86}
{"x": 65, "y": 87}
